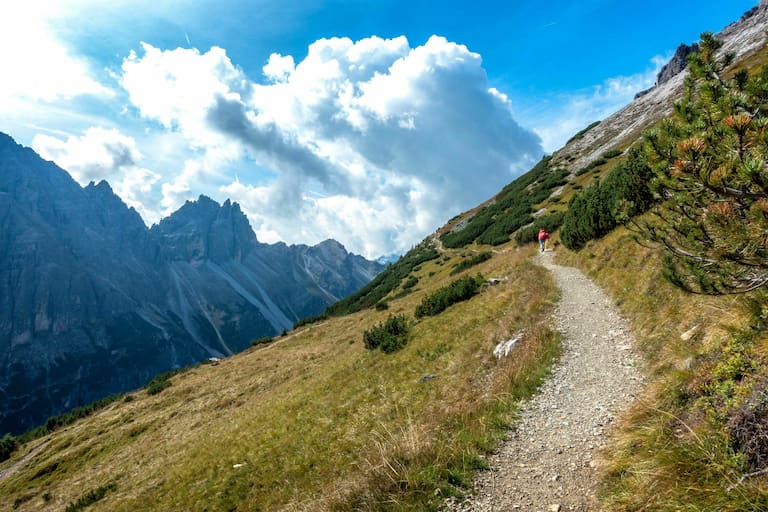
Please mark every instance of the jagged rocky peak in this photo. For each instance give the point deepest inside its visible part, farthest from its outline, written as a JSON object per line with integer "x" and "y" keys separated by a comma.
{"x": 763, "y": 5}
{"x": 331, "y": 249}
{"x": 677, "y": 64}
{"x": 28, "y": 177}
{"x": 203, "y": 229}
{"x": 86, "y": 289}
{"x": 111, "y": 209}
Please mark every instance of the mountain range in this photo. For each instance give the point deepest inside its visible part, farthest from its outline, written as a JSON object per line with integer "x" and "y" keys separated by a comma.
{"x": 92, "y": 302}
{"x": 325, "y": 420}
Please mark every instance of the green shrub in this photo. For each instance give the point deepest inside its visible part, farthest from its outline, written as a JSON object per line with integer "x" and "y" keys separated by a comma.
{"x": 581, "y": 133}
{"x": 410, "y": 282}
{"x": 262, "y": 341}
{"x": 90, "y": 498}
{"x": 549, "y": 223}
{"x": 159, "y": 382}
{"x": 507, "y": 223}
{"x": 511, "y": 209}
{"x": 387, "y": 281}
{"x": 481, "y": 221}
{"x": 596, "y": 163}
{"x": 613, "y": 153}
{"x": 462, "y": 289}
{"x": 63, "y": 419}
{"x": 471, "y": 262}
{"x": 600, "y": 207}
{"x": 389, "y": 336}
{"x": 310, "y": 320}
{"x": 8, "y": 444}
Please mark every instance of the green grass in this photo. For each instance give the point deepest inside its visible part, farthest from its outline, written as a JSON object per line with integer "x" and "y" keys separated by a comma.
{"x": 676, "y": 449}
{"x": 315, "y": 421}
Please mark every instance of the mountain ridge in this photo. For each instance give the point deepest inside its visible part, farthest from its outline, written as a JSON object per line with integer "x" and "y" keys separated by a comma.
{"x": 88, "y": 288}
{"x": 317, "y": 422}
{"x": 742, "y": 38}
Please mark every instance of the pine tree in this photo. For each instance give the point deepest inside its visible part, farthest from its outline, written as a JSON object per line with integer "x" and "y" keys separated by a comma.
{"x": 710, "y": 164}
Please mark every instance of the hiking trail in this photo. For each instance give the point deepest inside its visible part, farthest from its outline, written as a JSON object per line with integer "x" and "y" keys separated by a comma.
{"x": 547, "y": 463}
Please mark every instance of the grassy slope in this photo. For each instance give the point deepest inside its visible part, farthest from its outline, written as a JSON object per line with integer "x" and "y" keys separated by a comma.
{"x": 672, "y": 453}
{"x": 316, "y": 421}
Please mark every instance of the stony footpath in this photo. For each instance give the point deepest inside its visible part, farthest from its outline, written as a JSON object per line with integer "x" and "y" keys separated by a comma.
{"x": 548, "y": 462}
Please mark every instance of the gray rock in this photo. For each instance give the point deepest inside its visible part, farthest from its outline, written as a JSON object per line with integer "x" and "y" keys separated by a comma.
{"x": 92, "y": 302}
{"x": 677, "y": 64}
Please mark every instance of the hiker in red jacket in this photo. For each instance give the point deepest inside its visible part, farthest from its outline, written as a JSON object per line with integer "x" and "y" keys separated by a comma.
{"x": 543, "y": 236}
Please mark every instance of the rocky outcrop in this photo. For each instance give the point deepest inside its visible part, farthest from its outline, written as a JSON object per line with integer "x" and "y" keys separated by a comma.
{"x": 93, "y": 303}
{"x": 742, "y": 38}
{"x": 677, "y": 64}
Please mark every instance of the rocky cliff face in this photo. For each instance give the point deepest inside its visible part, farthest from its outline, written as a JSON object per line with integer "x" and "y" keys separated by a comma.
{"x": 93, "y": 303}
{"x": 742, "y": 38}
{"x": 676, "y": 64}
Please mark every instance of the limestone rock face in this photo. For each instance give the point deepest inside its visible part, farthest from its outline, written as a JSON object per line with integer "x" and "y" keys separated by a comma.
{"x": 677, "y": 64}
{"x": 92, "y": 302}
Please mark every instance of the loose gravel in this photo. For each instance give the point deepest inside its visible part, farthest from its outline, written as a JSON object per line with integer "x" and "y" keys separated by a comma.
{"x": 548, "y": 461}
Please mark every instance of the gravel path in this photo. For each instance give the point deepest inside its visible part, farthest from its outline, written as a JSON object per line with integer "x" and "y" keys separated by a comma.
{"x": 548, "y": 461}
{"x": 15, "y": 467}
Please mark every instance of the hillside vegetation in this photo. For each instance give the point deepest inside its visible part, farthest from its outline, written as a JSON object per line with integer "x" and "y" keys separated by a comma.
{"x": 699, "y": 440}
{"x": 314, "y": 421}
{"x": 392, "y": 398}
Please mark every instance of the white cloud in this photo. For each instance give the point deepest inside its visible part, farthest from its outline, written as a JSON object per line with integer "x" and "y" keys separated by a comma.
{"x": 177, "y": 88}
{"x": 36, "y": 65}
{"x": 104, "y": 154}
{"x": 279, "y": 67}
{"x": 371, "y": 142}
{"x": 570, "y": 113}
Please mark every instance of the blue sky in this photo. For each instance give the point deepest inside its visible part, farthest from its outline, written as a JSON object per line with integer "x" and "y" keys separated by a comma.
{"x": 371, "y": 122}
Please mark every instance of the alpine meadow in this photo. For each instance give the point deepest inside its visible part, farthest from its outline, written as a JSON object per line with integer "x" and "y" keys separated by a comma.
{"x": 400, "y": 391}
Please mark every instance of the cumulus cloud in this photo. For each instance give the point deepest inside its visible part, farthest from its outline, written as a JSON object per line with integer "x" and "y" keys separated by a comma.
{"x": 177, "y": 88}
{"x": 45, "y": 70}
{"x": 104, "y": 154}
{"x": 371, "y": 142}
{"x": 279, "y": 67}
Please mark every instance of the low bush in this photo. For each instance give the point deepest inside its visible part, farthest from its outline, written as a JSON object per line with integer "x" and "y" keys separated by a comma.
{"x": 511, "y": 209}
{"x": 611, "y": 154}
{"x": 583, "y": 132}
{"x": 462, "y": 289}
{"x": 387, "y": 281}
{"x": 603, "y": 205}
{"x": 548, "y": 223}
{"x": 410, "y": 282}
{"x": 90, "y": 498}
{"x": 310, "y": 320}
{"x": 7, "y": 446}
{"x": 66, "y": 418}
{"x": 158, "y": 383}
{"x": 266, "y": 340}
{"x": 471, "y": 262}
{"x": 596, "y": 163}
{"x": 389, "y": 336}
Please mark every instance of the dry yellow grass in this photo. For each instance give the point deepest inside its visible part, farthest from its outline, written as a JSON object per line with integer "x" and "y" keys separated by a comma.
{"x": 666, "y": 456}
{"x": 315, "y": 421}
{"x": 659, "y": 312}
